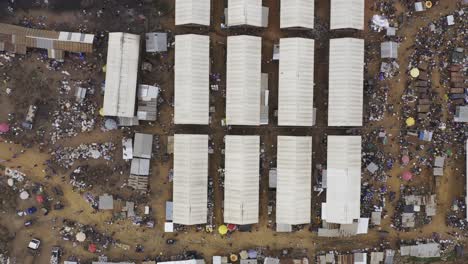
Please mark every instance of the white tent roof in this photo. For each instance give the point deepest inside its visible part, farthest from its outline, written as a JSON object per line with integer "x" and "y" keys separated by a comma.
{"x": 347, "y": 14}
{"x": 243, "y": 83}
{"x": 245, "y": 12}
{"x": 346, "y": 82}
{"x": 242, "y": 179}
{"x": 343, "y": 180}
{"x": 191, "y": 79}
{"x": 193, "y": 12}
{"x": 121, "y": 74}
{"x": 296, "y": 82}
{"x": 297, "y": 13}
{"x": 294, "y": 175}
{"x": 190, "y": 179}
{"x": 466, "y": 175}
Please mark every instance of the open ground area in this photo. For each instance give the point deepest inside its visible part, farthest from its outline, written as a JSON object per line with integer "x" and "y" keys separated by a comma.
{"x": 72, "y": 154}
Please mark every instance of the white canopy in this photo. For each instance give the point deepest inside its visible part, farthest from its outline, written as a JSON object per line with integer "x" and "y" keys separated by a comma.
{"x": 242, "y": 179}
{"x": 296, "y": 82}
{"x": 121, "y": 74}
{"x": 343, "y": 202}
{"x": 347, "y": 14}
{"x": 190, "y": 196}
{"x": 294, "y": 180}
{"x": 297, "y": 13}
{"x": 245, "y": 12}
{"x": 191, "y": 79}
{"x": 346, "y": 82}
{"x": 193, "y": 12}
{"x": 243, "y": 83}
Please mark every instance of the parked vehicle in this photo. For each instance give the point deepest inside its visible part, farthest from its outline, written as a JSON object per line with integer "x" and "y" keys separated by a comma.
{"x": 28, "y": 223}
{"x": 55, "y": 255}
{"x": 34, "y": 244}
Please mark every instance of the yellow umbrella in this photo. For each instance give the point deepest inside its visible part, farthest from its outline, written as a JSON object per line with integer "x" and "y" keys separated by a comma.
{"x": 414, "y": 72}
{"x": 223, "y": 229}
{"x": 104, "y": 68}
{"x": 410, "y": 121}
{"x": 233, "y": 257}
{"x": 428, "y": 4}
{"x": 101, "y": 112}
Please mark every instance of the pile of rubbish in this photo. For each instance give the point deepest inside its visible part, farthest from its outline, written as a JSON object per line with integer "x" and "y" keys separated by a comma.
{"x": 66, "y": 157}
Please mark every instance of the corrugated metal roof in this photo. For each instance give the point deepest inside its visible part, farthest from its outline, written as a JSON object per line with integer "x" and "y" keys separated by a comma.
{"x": 243, "y": 83}
{"x": 343, "y": 180}
{"x": 245, "y": 12}
{"x": 294, "y": 180}
{"x": 346, "y": 82}
{"x": 191, "y": 79}
{"x": 297, "y": 13}
{"x": 193, "y": 12}
{"x": 296, "y": 82}
{"x": 242, "y": 179}
{"x": 190, "y": 194}
{"x": 347, "y": 14}
{"x": 140, "y": 167}
{"x": 143, "y": 146}
{"x": 121, "y": 75}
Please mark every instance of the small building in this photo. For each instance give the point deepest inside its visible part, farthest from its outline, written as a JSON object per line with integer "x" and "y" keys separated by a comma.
{"x": 376, "y": 218}
{"x": 272, "y": 178}
{"x": 143, "y": 146}
{"x": 270, "y": 260}
{"x": 156, "y": 42}
{"x": 106, "y": 202}
{"x": 360, "y": 258}
{"x": 391, "y": 31}
{"x": 192, "y": 12}
{"x": 429, "y": 250}
{"x": 123, "y": 56}
{"x": 140, "y": 167}
{"x": 376, "y": 257}
{"x": 246, "y": 13}
{"x": 127, "y": 148}
{"x": 80, "y": 94}
{"x": 419, "y": 6}
{"x": 408, "y": 220}
{"x": 169, "y": 210}
{"x": 347, "y": 14}
{"x": 190, "y": 261}
{"x": 389, "y": 50}
{"x": 461, "y": 114}
{"x": 147, "y": 102}
{"x": 389, "y": 255}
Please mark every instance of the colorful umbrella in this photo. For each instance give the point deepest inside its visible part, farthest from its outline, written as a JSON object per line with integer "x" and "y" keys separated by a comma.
{"x": 414, "y": 72}
{"x": 80, "y": 237}
{"x": 40, "y": 199}
{"x": 223, "y": 229}
{"x": 4, "y": 128}
{"x": 407, "y": 176}
{"x": 410, "y": 121}
{"x": 231, "y": 227}
{"x": 92, "y": 248}
{"x": 405, "y": 159}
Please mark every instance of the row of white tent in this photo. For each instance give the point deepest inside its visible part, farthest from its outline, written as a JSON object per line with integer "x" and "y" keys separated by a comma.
{"x": 243, "y": 81}
{"x": 293, "y": 13}
{"x": 242, "y": 179}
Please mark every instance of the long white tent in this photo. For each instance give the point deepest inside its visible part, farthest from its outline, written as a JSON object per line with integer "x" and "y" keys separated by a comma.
{"x": 243, "y": 80}
{"x": 343, "y": 202}
{"x": 347, "y": 14}
{"x": 121, "y": 74}
{"x": 245, "y": 12}
{"x": 294, "y": 180}
{"x": 296, "y": 82}
{"x": 191, "y": 79}
{"x": 242, "y": 179}
{"x": 346, "y": 82}
{"x": 297, "y": 14}
{"x": 196, "y": 12}
{"x": 190, "y": 195}
{"x": 466, "y": 176}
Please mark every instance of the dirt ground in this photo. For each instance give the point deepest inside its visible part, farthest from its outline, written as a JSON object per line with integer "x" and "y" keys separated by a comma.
{"x": 41, "y": 86}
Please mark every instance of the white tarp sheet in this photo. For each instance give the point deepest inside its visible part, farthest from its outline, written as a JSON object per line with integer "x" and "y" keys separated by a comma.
{"x": 346, "y": 82}
{"x": 190, "y": 195}
{"x": 297, "y": 13}
{"x": 294, "y": 176}
{"x": 243, "y": 80}
{"x": 121, "y": 74}
{"x": 191, "y": 79}
{"x": 242, "y": 179}
{"x": 343, "y": 202}
{"x": 296, "y": 82}
{"x": 193, "y": 12}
